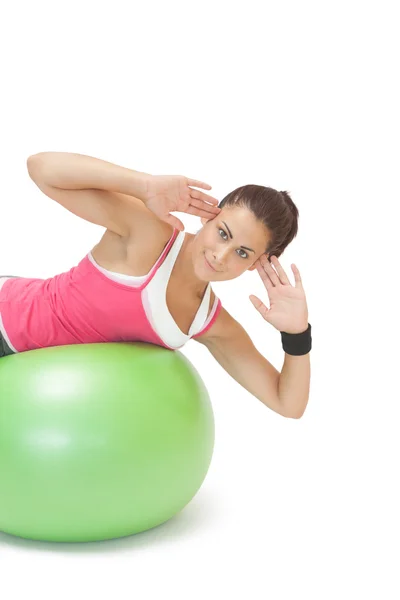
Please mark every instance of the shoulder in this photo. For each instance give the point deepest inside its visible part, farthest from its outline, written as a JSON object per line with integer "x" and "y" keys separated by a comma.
{"x": 151, "y": 236}
{"x": 151, "y": 228}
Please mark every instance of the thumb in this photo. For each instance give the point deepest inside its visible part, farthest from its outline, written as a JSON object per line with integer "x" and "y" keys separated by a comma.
{"x": 175, "y": 222}
{"x": 262, "y": 309}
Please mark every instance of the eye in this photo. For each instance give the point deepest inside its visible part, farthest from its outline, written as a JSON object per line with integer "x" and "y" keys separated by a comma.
{"x": 240, "y": 250}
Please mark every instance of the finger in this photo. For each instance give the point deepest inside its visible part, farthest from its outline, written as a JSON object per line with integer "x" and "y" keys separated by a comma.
{"x": 262, "y": 309}
{"x": 297, "y": 276}
{"x": 199, "y": 184}
{"x": 264, "y": 276}
{"x": 174, "y": 222}
{"x": 200, "y": 212}
{"x": 267, "y": 267}
{"x": 202, "y": 196}
{"x": 280, "y": 270}
{"x": 204, "y": 206}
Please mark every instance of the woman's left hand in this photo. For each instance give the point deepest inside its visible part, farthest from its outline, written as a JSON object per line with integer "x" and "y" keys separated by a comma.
{"x": 288, "y": 306}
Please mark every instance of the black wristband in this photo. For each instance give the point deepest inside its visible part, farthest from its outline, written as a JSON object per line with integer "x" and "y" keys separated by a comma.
{"x": 297, "y": 344}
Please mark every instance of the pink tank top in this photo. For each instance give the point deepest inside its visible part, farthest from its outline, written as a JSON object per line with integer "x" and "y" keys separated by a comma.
{"x": 90, "y": 304}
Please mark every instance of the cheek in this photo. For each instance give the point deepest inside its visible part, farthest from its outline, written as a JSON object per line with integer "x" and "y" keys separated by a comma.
{"x": 209, "y": 239}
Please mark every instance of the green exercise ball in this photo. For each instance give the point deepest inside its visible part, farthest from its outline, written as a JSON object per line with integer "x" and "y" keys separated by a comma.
{"x": 99, "y": 441}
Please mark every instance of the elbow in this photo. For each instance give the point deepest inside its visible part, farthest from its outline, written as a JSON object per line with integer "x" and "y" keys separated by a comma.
{"x": 296, "y": 413}
{"x": 296, "y": 416}
{"x": 32, "y": 158}
{"x": 32, "y": 161}
{"x": 299, "y": 413}
{"x": 34, "y": 164}
{"x": 291, "y": 415}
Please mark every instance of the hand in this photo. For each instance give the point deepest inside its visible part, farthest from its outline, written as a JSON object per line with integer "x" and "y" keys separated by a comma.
{"x": 166, "y": 193}
{"x": 288, "y": 306}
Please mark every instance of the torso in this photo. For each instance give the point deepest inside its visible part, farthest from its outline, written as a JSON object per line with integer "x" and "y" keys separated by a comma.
{"x": 136, "y": 256}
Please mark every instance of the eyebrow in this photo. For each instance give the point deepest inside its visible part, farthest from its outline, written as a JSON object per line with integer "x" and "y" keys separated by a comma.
{"x": 229, "y": 231}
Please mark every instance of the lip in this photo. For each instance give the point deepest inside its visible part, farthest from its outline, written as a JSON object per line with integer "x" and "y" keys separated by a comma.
{"x": 208, "y": 264}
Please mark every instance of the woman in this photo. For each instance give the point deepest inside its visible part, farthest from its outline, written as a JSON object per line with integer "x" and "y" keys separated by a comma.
{"x": 149, "y": 280}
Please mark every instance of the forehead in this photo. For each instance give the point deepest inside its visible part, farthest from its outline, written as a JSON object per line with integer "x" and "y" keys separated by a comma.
{"x": 244, "y": 226}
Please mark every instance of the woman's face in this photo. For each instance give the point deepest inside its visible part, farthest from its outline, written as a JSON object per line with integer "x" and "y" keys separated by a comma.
{"x": 231, "y": 242}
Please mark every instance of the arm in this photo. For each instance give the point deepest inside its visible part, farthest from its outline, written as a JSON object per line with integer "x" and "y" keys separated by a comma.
{"x": 71, "y": 171}
{"x": 99, "y": 192}
{"x": 114, "y": 197}
{"x": 231, "y": 346}
{"x": 294, "y": 383}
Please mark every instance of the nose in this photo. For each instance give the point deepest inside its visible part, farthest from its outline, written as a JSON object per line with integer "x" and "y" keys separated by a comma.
{"x": 219, "y": 256}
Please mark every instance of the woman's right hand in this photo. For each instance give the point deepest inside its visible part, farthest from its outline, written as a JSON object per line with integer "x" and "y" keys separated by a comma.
{"x": 167, "y": 193}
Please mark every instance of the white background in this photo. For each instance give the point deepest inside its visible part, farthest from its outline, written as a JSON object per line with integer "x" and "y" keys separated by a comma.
{"x": 299, "y": 96}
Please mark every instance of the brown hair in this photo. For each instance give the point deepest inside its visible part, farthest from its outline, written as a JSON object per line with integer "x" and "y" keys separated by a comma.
{"x": 275, "y": 210}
